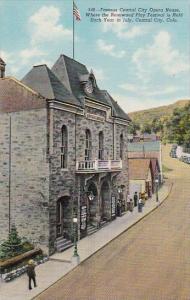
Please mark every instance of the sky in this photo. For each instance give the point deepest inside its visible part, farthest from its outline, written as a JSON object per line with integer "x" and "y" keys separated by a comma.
{"x": 142, "y": 64}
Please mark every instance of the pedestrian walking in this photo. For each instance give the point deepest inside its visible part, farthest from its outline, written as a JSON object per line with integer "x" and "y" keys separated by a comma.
{"x": 143, "y": 198}
{"x": 119, "y": 208}
{"x": 31, "y": 273}
{"x": 135, "y": 199}
{"x": 131, "y": 205}
{"x": 140, "y": 204}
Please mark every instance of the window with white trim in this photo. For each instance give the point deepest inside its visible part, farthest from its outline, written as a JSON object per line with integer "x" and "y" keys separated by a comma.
{"x": 88, "y": 145}
{"x": 101, "y": 146}
{"x": 64, "y": 146}
{"x": 121, "y": 146}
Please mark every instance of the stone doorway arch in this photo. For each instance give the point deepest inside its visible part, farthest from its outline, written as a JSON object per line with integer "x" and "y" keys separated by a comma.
{"x": 63, "y": 217}
{"x": 105, "y": 196}
{"x": 92, "y": 198}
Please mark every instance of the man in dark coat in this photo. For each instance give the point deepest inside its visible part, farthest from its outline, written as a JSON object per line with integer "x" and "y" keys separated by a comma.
{"x": 31, "y": 273}
{"x": 135, "y": 199}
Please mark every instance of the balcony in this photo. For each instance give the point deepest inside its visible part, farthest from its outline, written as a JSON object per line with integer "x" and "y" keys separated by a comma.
{"x": 96, "y": 166}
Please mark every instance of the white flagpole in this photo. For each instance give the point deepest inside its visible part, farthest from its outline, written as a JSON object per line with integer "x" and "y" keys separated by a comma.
{"x": 73, "y": 33}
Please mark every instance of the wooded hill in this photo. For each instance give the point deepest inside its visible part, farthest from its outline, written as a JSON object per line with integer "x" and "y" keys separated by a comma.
{"x": 171, "y": 122}
{"x": 148, "y": 115}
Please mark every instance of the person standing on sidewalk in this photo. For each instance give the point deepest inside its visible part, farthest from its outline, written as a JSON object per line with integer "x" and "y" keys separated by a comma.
{"x": 140, "y": 205}
{"x": 135, "y": 199}
{"x": 119, "y": 208}
{"x": 31, "y": 273}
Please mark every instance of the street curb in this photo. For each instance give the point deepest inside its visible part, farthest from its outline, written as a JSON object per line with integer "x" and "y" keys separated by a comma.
{"x": 148, "y": 213}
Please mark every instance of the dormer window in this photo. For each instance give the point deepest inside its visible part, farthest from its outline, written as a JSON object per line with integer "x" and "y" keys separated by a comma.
{"x": 89, "y": 82}
{"x": 88, "y": 87}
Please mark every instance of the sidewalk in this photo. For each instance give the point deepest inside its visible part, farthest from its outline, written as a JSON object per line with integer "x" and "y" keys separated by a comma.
{"x": 60, "y": 263}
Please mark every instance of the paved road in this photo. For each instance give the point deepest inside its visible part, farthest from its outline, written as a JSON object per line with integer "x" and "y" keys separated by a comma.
{"x": 151, "y": 261}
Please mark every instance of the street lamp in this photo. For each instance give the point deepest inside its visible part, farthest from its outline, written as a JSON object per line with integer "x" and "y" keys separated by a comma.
{"x": 157, "y": 181}
{"x": 119, "y": 189}
{"x": 91, "y": 196}
{"x": 75, "y": 254}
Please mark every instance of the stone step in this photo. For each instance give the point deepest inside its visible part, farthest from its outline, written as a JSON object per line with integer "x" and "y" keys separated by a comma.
{"x": 64, "y": 246}
{"x": 60, "y": 238}
{"x": 91, "y": 229}
{"x": 104, "y": 223}
{"x": 60, "y": 242}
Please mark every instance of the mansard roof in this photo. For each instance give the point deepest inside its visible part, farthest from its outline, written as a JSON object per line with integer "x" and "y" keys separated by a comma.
{"x": 117, "y": 111}
{"x": 73, "y": 75}
{"x": 65, "y": 82}
{"x": 44, "y": 81}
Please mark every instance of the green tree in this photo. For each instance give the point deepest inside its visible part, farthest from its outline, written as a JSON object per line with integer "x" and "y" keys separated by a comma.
{"x": 12, "y": 246}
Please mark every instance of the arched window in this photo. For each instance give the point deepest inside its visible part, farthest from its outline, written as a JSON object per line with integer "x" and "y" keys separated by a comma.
{"x": 64, "y": 146}
{"x": 121, "y": 146}
{"x": 101, "y": 146}
{"x": 88, "y": 145}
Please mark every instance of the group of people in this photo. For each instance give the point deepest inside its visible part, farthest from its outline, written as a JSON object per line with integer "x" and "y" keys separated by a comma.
{"x": 138, "y": 200}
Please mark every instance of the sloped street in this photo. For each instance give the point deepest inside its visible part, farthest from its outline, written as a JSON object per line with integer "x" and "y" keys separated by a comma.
{"x": 150, "y": 261}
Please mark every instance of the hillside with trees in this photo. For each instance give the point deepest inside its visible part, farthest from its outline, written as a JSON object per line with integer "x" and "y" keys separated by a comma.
{"x": 171, "y": 123}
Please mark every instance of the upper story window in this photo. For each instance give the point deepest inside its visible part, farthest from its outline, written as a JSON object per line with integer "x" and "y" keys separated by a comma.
{"x": 64, "y": 147}
{"x": 121, "y": 146}
{"x": 88, "y": 145}
{"x": 101, "y": 146}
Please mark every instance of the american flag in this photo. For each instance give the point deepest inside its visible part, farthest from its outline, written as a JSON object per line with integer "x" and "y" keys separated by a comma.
{"x": 76, "y": 12}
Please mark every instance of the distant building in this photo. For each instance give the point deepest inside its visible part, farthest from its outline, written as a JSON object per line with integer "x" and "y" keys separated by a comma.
{"x": 146, "y": 137}
{"x": 63, "y": 154}
{"x": 142, "y": 175}
{"x": 2, "y": 68}
{"x": 147, "y": 150}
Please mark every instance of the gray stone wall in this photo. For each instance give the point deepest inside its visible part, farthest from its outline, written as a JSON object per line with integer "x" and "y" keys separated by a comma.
{"x": 62, "y": 181}
{"x": 95, "y": 127}
{"x": 123, "y": 177}
{"x": 4, "y": 176}
{"x": 29, "y": 175}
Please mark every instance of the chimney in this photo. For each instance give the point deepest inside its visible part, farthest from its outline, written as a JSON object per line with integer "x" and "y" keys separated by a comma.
{"x": 2, "y": 68}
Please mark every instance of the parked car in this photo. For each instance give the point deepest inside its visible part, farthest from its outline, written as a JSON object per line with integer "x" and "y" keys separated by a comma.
{"x": 173, "y": 154}
{"x": 185, "y": 159}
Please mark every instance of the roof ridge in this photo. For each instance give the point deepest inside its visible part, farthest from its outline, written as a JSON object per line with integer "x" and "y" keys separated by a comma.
{"x": 47, "y": 70}
{"x": 59, "y": 81}
{"x": 73, "y": 59}
{"x": 23, "y": 85}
